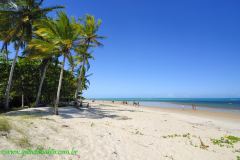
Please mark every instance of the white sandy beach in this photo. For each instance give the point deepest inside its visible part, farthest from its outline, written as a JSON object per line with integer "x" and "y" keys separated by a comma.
{"x": 109, "y": 131}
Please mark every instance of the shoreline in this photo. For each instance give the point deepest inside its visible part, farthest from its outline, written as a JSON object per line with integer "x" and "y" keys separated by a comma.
{"x": 213, "y": 114}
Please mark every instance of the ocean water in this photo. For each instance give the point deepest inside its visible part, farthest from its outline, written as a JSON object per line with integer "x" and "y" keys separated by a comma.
{"x": 220, "y": 104}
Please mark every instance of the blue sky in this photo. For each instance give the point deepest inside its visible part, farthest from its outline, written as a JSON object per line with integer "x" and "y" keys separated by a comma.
{"x": 158, "y": 48}
{"x": 170, "y": 48}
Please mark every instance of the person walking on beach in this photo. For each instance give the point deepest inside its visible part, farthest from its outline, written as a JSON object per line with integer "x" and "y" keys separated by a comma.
{"x": 182, "y": 107}
{"x": 194, "y": 107}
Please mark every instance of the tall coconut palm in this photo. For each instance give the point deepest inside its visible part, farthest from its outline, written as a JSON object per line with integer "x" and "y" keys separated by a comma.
{"x": 82, "y": 58}
{"x": 16, "y": 21}
{"x": 44, "y": 66}
{"x": 46, "y": 59}
{"x": 57, "y": 38}
{"x": 89, "y": 40}
{"x": 84, "y": 80}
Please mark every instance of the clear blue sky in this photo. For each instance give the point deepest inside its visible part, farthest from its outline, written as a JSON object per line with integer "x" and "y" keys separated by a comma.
{"x": 164, "y": 48}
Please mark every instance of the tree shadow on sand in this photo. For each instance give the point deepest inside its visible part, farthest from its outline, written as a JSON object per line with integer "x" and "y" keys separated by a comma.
{"x": 69, "y": 112}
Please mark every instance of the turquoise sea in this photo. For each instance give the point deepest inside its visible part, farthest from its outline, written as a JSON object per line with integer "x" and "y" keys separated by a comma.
{"x": 221, "y": 104}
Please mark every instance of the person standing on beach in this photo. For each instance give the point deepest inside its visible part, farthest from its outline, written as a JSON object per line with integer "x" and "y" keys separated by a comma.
{"x": 194, "y": 107}
{"x": 183, "y": 107}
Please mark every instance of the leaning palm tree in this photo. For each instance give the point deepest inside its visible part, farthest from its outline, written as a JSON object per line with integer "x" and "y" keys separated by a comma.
{"x": 57, "y": 38}
{"x": 16, "y": 20}
{"x": 89, "y": 40}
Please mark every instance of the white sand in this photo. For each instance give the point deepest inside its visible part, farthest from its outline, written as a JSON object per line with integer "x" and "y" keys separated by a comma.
{"x": 122, "y": 132}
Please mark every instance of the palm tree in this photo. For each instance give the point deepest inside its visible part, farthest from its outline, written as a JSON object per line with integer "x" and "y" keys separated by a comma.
{"x": 89, "y": 39}
{"x": 45, "y": 63}
{"x": 16, "y": 19}
{"x": 82, "y": 58}
{"x": 57, "y": 38}
{"x": 84, "y": 80}
{"x": 5, "y": 54}
{"x": 46, "y": 59}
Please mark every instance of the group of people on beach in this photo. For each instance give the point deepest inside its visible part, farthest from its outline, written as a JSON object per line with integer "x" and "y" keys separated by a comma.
{"x": 194, "y": 107}
{"x": 135, "y": 103}
{"x": 126, "y": 102}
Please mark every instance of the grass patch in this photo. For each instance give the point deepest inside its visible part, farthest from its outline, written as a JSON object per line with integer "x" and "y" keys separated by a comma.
{"x": 187, "y": 135}
{"x": 238, "y": 157}
{"x": 23, "y": 142}
{"x": 226, "y": 141}
{"x": 40, "y": 147}
{"x": 4, "y": 124}
{"x": 20, "y": 138}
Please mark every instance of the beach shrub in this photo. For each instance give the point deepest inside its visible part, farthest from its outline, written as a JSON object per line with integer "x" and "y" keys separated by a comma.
{"x": 227, "y": 141}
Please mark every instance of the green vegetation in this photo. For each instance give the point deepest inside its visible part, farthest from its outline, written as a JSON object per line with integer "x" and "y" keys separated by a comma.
{"x": 227, "y": 141}
{"x": 187, "y": 135}
{"x": 23, "y": 142}
{"x": 238, "y": 157}
{"x": 21, "y": 137}
{"x": 4, "y": 124}
{"x": 16, "y": 27}
{"x": 27, "y": 85}
{"x": 42, "y": 47}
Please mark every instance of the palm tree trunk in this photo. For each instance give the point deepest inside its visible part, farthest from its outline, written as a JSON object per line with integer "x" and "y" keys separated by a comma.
{"x": 59, "y": 87}
{"x": 22, "y": 85}
{"x": 22, "y": 100}
{"x": 79, "y": 83}
{"x": 10, "y": 79}
{"x": 41, "y": 83}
